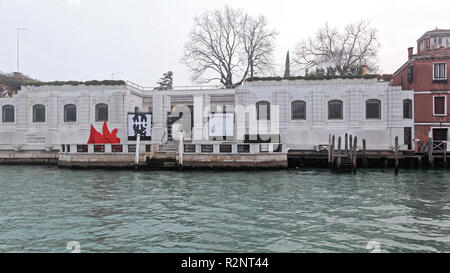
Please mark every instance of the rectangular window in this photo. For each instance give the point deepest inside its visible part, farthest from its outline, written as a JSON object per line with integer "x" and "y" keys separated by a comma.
{"x": 439, "y": 71}
{"x": 373, "y": 109}
{"x": 189, "y": 148}
{"x": 439, "y": 105}
{"x": 298, "y": 110}
{"x": 82, "y": 148}
{"x": 116, "y": 148}
{"x": 225, "y": 148}
{"x": 410, "y": 73}
{"x": 243, "y": 148}
{"x": 407, "y": 109}
{"x": 39, "y": 113}
{"x": 70, "y": 113}
{"x": 68, "y": 148}
{"x": 132, "y": 148}
{"x": 335, "y": 109}
{"x": 99, "y": 148}
{"x": 148, "y": 148}
{"x": 207, "y": 148}
{"x": 63, "y": 148}
{"x": 8, "y": 113}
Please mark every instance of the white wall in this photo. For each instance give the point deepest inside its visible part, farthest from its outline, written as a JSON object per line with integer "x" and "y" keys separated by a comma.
{"x": 54, "y": 131}
{"x": 314, "y": 130}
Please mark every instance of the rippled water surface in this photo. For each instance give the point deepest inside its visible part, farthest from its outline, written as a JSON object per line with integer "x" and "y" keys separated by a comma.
{"x": 43, "y": 208}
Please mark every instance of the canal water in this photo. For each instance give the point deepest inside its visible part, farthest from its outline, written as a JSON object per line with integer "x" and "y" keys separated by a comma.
{"x": 44, "y": 208}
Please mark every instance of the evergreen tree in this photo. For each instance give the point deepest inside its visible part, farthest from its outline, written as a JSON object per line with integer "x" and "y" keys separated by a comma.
{"x": 287, "y": 69}
{"x": 166, "y": 82}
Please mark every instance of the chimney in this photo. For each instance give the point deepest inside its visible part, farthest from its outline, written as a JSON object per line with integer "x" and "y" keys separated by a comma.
{"x": 364, "y": 70}
{"x": 410, "y": 52}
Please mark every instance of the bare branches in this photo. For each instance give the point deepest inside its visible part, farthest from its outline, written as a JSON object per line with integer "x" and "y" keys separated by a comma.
{"x": 258, "y": 43}
{"x": 345, "y": 52}
{"x": 227, "y": 44}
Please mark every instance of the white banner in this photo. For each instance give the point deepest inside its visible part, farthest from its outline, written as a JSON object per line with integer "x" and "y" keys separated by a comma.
{"x": 221, "y": 124}
{"x": 139, "y": 123}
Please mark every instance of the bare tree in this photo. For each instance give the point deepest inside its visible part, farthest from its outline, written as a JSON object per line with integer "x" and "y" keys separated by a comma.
{"x": 345, "y": 52}
{"x": 227, "y": 45}
{"x": 258, "y": 41}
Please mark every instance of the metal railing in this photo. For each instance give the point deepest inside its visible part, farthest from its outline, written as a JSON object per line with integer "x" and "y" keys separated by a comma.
{"x": 235, "y": 148}
{"x": 175, "y": 88}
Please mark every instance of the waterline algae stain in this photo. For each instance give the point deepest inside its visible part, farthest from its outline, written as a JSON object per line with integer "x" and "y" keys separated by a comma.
{"x": 44, "y": 208}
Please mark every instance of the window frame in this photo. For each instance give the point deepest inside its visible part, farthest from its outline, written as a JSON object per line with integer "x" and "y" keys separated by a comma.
{"x": 342, "y": 109}
{"x": 434, "y": 105}
{"x": 445, "y": 72}
{"x": 34, "y": 114}
{"x": 410, "y": 74}
{"x": 13, "y": 113}
{"x": 410, "y": 110}
{"x": 258, "y": 104}
{"x": 65, "y": 116}
{"x": 97, "y": 106}
{"x": 292, "y": 110}
{"x": 379, "y": 109}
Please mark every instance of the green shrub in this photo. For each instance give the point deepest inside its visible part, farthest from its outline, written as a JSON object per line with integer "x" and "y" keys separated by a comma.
{"x": 75, "y": 83}
{"x": 315, "y": 77}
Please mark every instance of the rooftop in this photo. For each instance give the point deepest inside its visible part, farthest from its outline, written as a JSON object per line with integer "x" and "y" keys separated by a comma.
{"x": 434, "y": 32}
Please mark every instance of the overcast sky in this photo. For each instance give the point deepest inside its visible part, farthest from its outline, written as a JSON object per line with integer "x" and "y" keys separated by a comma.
{"x": 91, "y": 39}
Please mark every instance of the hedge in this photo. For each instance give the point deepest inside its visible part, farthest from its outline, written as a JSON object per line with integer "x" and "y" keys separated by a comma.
{"x": 59, "y": 83}
{"x": 324, "y": 77}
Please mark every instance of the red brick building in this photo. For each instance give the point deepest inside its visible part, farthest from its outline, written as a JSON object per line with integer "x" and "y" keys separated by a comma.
{"x": 426, "y": 72}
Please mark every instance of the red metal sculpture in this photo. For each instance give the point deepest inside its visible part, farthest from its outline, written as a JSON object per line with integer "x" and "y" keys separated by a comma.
{"x": 107, "y": 137}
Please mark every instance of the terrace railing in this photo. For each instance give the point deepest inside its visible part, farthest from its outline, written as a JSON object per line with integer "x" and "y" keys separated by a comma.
{"x": 190, "y": 87}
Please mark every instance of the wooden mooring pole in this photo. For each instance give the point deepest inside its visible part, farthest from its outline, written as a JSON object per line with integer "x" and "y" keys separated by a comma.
{"x": 430, "y": 153}
{"x": 333, "y": 147}
{"x": 346, "y": 142}
{"x": 329, "y": 150}
{"x": 364, "y": 154}
{"x": 354, "y": 154}
{"x": 339, "y": 155}
{"x": 396, "y": 155}
{"x": 350, "y": 154}
{"x": 445, "y": 155}
{"x": 350, "y": 141}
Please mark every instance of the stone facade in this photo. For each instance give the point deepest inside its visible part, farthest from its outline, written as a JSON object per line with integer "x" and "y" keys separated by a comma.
{"x": 23, "y": 134}
{"x": 306, "y": 133}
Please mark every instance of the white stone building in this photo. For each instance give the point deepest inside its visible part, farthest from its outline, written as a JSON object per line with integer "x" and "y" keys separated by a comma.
{"x": 302, "y": 113}
{"x": 309, "y": 110}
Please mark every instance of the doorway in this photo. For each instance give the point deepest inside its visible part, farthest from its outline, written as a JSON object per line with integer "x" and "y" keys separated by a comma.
{"x": 407, "y": 136}
{"x": 439, "y": 136}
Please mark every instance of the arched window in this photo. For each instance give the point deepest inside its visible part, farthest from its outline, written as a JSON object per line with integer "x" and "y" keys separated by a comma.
{"x": 335, "y": 109}
{"x": 70, "y": 113}
{"x": 373, "y": 109}
{"x": 101, "y": 112}
{"x": 407, "y": 108}
{"x": 298, "y": 109}
{"x": 8, "y": 113}
{"x": 38, "y": 113}
{"x": 263, "y": 110}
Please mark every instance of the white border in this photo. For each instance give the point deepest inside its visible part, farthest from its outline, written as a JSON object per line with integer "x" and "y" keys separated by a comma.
{"x": 445, "y": 72}
{"x": 445, "y": 106}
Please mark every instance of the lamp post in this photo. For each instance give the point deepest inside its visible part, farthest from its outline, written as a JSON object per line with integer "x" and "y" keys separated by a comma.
{"x": 18, "y": 49}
